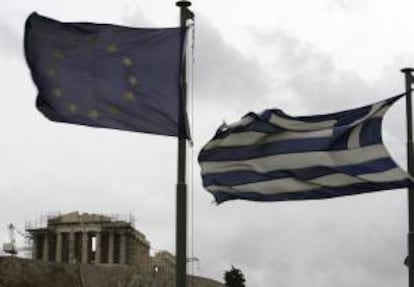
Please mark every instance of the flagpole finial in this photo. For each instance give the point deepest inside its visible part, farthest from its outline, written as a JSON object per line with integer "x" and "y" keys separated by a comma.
{"x": 407, "y": 70}
{"x": 183, "y": 3}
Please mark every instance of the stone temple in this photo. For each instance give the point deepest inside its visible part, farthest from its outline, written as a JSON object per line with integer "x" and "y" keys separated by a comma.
{"x": 90, "y": 238}
{"x": 92, "y": 250}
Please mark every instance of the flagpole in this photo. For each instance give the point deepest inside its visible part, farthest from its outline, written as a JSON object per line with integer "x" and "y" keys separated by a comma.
{"x": 410, "y": 166}
{"x": 181, "y": 198}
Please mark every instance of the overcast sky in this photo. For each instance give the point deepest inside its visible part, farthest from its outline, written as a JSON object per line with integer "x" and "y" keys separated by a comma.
{"x": 305, "y": 57}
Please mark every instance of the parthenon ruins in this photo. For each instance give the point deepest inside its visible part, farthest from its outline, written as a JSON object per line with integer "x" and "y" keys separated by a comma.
{"x": 91, "y": 250}
{"x": 90, "y": 238}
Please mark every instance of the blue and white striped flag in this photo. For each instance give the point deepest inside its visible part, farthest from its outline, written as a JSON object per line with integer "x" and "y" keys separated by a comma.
{"x": 274, "y": 157}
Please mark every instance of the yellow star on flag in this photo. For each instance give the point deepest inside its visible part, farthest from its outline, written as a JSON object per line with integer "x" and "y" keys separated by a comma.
{"x": 72, "y": 108}
{"x": 127, "y": 62}
{"x": 50, "y": 72}
{"x": 93, "y": 114}
{"x": 58, "y": 54}
{"x": 114, "y": 110}
{"x": 57, "y": 93}
{"x": 132, "y": 80}
{"x": 129, "y": 96}
{"x": 112, "y": 48}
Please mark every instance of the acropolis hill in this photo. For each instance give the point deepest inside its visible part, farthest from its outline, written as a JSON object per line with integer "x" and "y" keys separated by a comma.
{"x": 91, "y": 250}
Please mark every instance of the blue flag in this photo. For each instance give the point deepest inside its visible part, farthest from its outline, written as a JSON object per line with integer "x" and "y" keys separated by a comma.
{"x": 274, "y": 157}
{"x": 105, "y": 75}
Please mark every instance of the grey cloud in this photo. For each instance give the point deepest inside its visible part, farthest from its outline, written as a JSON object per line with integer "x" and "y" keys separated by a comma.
{"x": 312, "y": 76}
{"x": 221, "y": 71}
{"x": 356, "y": 241}
{"x": 285, "y": 244}
{"x": 12, "y": 42}
{"x": 348, "y": 5}
{"x": 136, "y": 19}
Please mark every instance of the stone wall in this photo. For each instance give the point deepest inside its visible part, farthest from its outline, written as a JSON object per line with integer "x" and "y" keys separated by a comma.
{"x": 203, "y": 282}
{"x": 19, "y": 272}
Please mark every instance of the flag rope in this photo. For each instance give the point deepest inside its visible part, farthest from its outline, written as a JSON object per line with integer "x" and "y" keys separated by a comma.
{"x": 190, "y": 60}
{"x": 410, "y": 237}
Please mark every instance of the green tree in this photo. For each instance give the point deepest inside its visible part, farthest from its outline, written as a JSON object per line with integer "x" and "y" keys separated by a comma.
{"x": 234, "y": 278}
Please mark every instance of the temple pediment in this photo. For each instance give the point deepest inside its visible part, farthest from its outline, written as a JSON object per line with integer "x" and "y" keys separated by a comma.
{"x": 76, "y": 217}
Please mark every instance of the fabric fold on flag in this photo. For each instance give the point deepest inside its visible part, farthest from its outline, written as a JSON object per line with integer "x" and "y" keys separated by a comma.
{"x": 273, "y": 156}
{"x": 105, "y": 75}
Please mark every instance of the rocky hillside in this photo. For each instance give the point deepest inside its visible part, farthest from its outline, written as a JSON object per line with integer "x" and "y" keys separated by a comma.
{"x": 19, "y": 272}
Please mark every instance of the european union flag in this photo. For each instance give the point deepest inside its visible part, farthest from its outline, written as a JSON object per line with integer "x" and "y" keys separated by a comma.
{"x": 105, "y": 75}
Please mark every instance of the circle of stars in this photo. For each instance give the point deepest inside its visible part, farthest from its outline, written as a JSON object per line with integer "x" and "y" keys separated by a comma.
{"x": 59, "y": 55}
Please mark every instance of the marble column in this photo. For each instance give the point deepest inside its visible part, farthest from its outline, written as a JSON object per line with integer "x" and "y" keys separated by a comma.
{"x": 45, "y": 250}
{"x": 98, "y": 249}
{"x": 58, "y": 247}
{"x": 111, "y": 243}
{"x": 135, "y": 260}
{"x": 123, "y": 249}
{"x": 85, "y": 247}
{"x": 35, "y": 242}
{"x": 71, "y": 240}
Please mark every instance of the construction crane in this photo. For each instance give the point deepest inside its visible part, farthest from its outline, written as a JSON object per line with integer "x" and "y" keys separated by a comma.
{"x": 193, "y": 259}
{"x": 10, "y": 247}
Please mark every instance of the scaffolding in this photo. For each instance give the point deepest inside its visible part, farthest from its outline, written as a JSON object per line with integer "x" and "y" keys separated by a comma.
{"x": 42, "y": 220}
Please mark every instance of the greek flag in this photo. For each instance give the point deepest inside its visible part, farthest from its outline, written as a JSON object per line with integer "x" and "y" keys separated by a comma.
{"x": 272, "y": 156}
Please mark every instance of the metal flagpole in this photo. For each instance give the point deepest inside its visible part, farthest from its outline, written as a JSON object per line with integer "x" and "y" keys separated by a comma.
{"x": 410, "y": 166}
{"x": 181, "y": 199}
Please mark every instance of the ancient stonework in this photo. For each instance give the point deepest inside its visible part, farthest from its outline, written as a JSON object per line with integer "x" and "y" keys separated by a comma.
{"x": 91, "y": 250}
